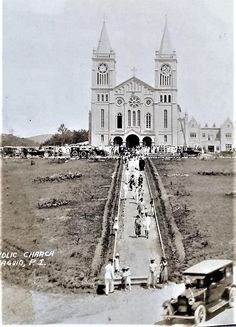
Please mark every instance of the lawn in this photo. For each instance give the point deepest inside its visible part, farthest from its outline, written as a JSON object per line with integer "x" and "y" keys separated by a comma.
{"x": 203, "y": 212}
{"x": 72, "y": 231}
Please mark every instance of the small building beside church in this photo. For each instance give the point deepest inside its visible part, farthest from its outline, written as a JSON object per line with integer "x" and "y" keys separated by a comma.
{"x": 134, "y": 112}
{"x": 211, "y": 138}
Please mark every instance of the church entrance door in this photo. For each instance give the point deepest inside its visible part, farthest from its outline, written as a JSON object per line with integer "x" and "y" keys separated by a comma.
{"x": 132, "y": 141}
{"x": 147, "y": 141}
{"x": 118, "y": 140}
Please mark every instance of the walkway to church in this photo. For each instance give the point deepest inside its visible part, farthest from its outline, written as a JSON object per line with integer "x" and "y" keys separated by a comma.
{"x": 136, "y": 252}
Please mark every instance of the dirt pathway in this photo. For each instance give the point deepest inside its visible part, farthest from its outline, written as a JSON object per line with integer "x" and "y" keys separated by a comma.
{"x": 137, "y": 252}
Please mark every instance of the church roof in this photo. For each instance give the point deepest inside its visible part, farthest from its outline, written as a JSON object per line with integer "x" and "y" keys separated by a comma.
{"x": 104, "y": 45}
{"x": 165, "y": 47}
{"x": 137, "y": 80}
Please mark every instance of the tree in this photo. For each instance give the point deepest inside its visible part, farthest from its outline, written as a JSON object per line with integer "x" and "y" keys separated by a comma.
{"x": 66, "y": 136}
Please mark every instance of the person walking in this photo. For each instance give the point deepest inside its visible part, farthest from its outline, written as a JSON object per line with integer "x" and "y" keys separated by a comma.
{"x": 138, "y": 226}
{"x": 131, "y": 182}
{"x": 163, "y": 271}
{"x": 152, "y": 207}
{"x": 141, "y": 207}
{"x": 125, "y": 187}
{"x": 109, "y": 277}
{"x": 152, "y": 277}
{"x": 140, "y": 192}
{"x": 117, "y": 263}
{"x": 146, "y": 224}
{"x": 127, "y": 275}
{"x": 127, "y": 174}
{"x": 140, "y": 180}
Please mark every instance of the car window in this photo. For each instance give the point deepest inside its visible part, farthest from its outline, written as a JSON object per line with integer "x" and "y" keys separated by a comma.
{"x": 228, "y": 271}
{"x": 216, "y": 276}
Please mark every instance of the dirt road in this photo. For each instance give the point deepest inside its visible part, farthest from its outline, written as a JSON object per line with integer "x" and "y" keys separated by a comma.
{"x": 140, "y": 306}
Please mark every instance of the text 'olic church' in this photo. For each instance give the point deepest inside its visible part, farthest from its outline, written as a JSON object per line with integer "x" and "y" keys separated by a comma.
{"x": 134, "y": 112}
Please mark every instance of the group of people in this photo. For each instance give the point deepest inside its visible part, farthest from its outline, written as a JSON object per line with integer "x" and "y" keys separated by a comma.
{"x": 134, "y": 166}
{"x": 113, "y": 270}
{"x": 158, "y": 274}
{"x": 133, "y": 184}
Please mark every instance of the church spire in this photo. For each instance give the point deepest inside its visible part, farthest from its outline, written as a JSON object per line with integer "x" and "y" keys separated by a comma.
{"x": 104, "y": 45}
{"x": 165, "y": 47}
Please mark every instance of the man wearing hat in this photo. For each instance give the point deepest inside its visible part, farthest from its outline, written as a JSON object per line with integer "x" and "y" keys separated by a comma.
{"x": 109, "y": 277}
{"x": 152, "y": 277}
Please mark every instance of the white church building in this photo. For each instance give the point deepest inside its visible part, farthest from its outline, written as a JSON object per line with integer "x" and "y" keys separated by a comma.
{"x": 134, "y": 112}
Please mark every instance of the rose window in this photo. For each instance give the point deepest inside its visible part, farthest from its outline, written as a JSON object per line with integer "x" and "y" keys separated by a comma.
{"x": 134, "y": 101}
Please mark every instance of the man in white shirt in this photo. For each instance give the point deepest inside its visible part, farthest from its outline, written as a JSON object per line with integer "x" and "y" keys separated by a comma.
{"x": 109, "y": 277}
{"x": 146, "y": 224}
{"x": 152, "y": 278}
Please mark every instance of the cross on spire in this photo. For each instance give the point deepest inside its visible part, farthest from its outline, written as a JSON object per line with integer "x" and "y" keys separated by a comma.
{"x": 134, "y": 71}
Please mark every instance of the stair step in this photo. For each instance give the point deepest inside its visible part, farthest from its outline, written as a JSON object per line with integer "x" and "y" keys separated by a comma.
{"x": 218, "y": 306}
{"x": 136, "y": 280}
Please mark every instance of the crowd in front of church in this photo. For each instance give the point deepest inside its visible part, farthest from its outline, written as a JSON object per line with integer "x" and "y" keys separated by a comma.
{"x": 133, "y": 181}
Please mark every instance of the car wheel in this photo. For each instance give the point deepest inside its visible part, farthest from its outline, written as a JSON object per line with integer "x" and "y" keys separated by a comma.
{"x": 232, "y": 297}
{"x": 168, "y": 311}
{"x": 83, "y": 154}
{"x": 74, "y": 153}
{"x": 200, "y": 314}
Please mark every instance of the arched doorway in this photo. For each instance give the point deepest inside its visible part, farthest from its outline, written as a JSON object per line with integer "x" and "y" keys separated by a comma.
{"x": 147, "y": 141}
{"x": 118, "y": 140}
{"x": 132, "y": 141}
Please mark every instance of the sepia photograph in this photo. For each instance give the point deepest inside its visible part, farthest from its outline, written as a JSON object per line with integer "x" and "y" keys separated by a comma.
{"x": 117, "y": 160}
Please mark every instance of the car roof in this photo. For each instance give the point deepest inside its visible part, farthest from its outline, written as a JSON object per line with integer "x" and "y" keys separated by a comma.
{"x": 206, "y": 267}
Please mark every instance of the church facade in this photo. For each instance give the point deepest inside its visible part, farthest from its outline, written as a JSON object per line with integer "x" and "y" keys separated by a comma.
{"x": 134, "y": 112}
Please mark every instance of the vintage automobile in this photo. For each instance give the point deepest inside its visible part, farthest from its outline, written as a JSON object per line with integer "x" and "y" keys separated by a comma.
{"x": 33, "y": 152}
{"x": 190, "y": 152}
{"x": 81, "y": 151}
{"x": 208, "y": 287}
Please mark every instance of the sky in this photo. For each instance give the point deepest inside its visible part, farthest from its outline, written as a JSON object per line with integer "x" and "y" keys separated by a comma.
{"x": 47, "y": 51}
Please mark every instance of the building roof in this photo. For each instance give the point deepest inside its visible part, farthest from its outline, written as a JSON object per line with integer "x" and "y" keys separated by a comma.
{"x": 165, "y": 47}
{"x": 104, "y": 45}
{"x": 135, "y": 79}
{"x": 206, "y": 267}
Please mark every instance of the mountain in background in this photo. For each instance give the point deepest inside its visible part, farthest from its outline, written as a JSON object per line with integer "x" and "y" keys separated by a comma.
{"x": 12, "y": 140}
{"x": 40, "y": 138}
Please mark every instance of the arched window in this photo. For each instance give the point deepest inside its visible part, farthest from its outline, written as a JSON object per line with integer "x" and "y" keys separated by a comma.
{"x": 148, "y": 120}
{"x": 138, "y": 118}
{"x": 102, "y": 118}
{"x": 129, "y": 117}
{"x": 165, "y": 100}
{"x": 161, "y": 98}
{"x": 106, "y": 97}
{"x": 169, "y": 98}
{"x": 165, "y": 119}
{"x": 134, "y": 118}
{"x": 119, "y": 120}
{"x": 102, "y": 97}
{"x": 98, "y": 97}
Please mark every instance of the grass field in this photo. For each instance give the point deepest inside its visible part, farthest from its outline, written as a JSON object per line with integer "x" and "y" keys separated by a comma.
{"x": 72, "y": 231}
{"x": 202, "y": 211}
